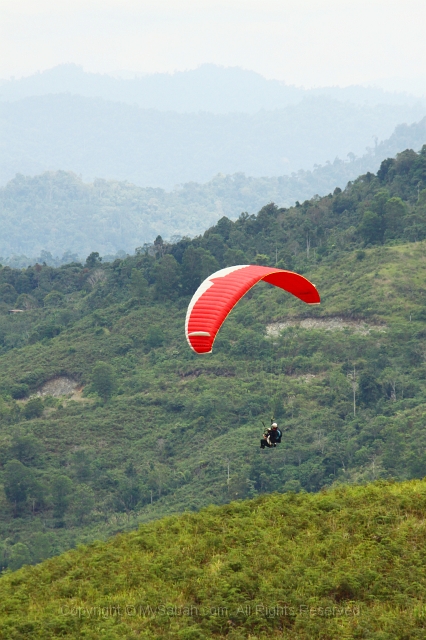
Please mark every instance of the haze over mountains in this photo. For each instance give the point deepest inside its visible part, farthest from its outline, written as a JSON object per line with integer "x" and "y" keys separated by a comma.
{"x": 110, "y": 140}
{"x": 57, "y": 213}
{"x": 171, "y": 154}
{"x": 178, "y": 130}
{"x": 208, "y": 88}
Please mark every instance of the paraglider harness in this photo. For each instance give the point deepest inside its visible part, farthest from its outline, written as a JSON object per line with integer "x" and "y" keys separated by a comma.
{"x": 271, "y": 437}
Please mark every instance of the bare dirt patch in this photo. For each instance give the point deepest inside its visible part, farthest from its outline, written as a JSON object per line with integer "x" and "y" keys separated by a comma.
{"x": 61, "y": 386}
{"x": 195, "y": 373}
{"x": 307, "y": 377}
{"x": 325, "y": 324}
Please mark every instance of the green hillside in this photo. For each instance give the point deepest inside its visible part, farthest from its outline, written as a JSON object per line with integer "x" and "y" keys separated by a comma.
{"x": 345, "y": 563}
{"x": 130, "y": 425}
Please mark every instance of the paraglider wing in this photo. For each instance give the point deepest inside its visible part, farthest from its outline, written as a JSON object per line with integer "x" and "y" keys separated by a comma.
{"x": 220, "y": 292}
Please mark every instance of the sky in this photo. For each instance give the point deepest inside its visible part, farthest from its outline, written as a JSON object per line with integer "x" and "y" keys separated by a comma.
{"x": 308, "y": 43}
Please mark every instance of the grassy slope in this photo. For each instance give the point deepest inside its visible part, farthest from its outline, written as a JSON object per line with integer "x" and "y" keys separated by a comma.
{"x": 388, "y": 284}
{"x": 346, "y": 563}
{"x": 181, "y": 419}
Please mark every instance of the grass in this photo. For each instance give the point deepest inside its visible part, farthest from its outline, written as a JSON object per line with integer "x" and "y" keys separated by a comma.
{"x": 344, "y": 563}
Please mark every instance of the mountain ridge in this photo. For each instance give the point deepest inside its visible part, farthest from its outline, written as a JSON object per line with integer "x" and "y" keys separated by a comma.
{"x": 111, "y": 140}
{"x": 208, "y": 88}
{"x": 56, "y": 213}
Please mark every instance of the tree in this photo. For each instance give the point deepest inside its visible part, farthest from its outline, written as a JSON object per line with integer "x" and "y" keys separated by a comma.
{"x": 4, "y": 412}
{"x": 7, "y": 293}
{"x": 371, "y": 228}
{"x": 394, "y": 217}
{"x": 191, "y": 267}
{"x": 82, "y": 464}
{"x": 197, "y": 265}
{"x": 42, "y": 546}
{"x": 60, "y": 487}
{"x": 103, "y": 380}
{"x": 379, "y": 201}
{"x": 139, "y": 284}
{"x": 26, "y": 301}
{"x": 369, "y": 389}
{"x": 33, "y": 409}
{"x": 209, "y": 264}
{"x": 278, "y": 409}
{"x": 166, "y": 273}
{"x": 159, "y": 246}
{"x": 234, "y": 257}
{"x": 83, "y": 502}
{"x": 26, "y": 449}
{"x": 261, "y": 258}
{"x": 129, "y": 494}
{"x": 37, "y": 495}
{"x": 53, "y": 299}
{"x": 19, "y": 555}
{"x": 93, "y": 260}
{"x": 154, "y": 337}
{"x": 158, "y": 478}
{"x": 17, "y": 482}
{"x": 19, "y": 391}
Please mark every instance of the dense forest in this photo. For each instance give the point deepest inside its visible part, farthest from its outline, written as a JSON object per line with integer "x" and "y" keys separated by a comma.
{"x": 345, "y": 563}
{"x": 107, "y": 419}
{"x": 47, "y": 216}
{"x": 151, "y": 148}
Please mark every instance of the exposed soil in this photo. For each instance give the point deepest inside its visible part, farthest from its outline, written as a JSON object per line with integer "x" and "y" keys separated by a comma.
{"x": 326, "y": 324}
{"x": 194, "y": 373}
{"x": 307, "y": 377}
{"x": 61, "y": 386}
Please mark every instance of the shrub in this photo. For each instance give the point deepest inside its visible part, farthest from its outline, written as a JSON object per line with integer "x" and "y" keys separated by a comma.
{"x": 53, "y": 299}
{"x": 7, "y": 293}
{"x": 103, "y": 380}
{"x": 154, "y": 337}
{"x": 33, "y": 378}
{"x": 33, "y": 408}
{"x": 19, "y": 391}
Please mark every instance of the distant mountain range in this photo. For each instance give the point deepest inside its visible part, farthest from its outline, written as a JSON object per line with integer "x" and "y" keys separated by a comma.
{"x": 209, "y": 88}
{"x": 111, "y": 140}
{"x": 117, "y": 162}
{"x": 58, "y": 213}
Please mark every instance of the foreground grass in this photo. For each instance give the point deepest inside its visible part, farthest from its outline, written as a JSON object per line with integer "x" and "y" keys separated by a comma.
{"x": 346, "y": 563}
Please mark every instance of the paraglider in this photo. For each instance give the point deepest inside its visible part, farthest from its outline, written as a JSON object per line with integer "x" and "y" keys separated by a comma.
{"x": 220, "y": 292}
{"x": 271, "y": 436}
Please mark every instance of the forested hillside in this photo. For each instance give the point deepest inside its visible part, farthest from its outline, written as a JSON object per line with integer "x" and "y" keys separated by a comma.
{"x": 347, "y": 563}
{"x": 112, "y": 140}
{"x": 107, "y": 418}
{"x": 57, "y": 213}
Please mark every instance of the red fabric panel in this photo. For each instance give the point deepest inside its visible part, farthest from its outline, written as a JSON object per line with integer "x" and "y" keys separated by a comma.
{"x": 295, "y": 284}
{"x": 213, "y": 306}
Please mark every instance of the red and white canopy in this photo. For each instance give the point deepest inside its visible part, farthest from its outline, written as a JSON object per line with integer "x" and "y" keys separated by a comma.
{"x": 220, "y": 292}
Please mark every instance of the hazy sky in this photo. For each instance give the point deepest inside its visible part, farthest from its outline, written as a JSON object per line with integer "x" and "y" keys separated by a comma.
{"x": 303, "y": 42}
